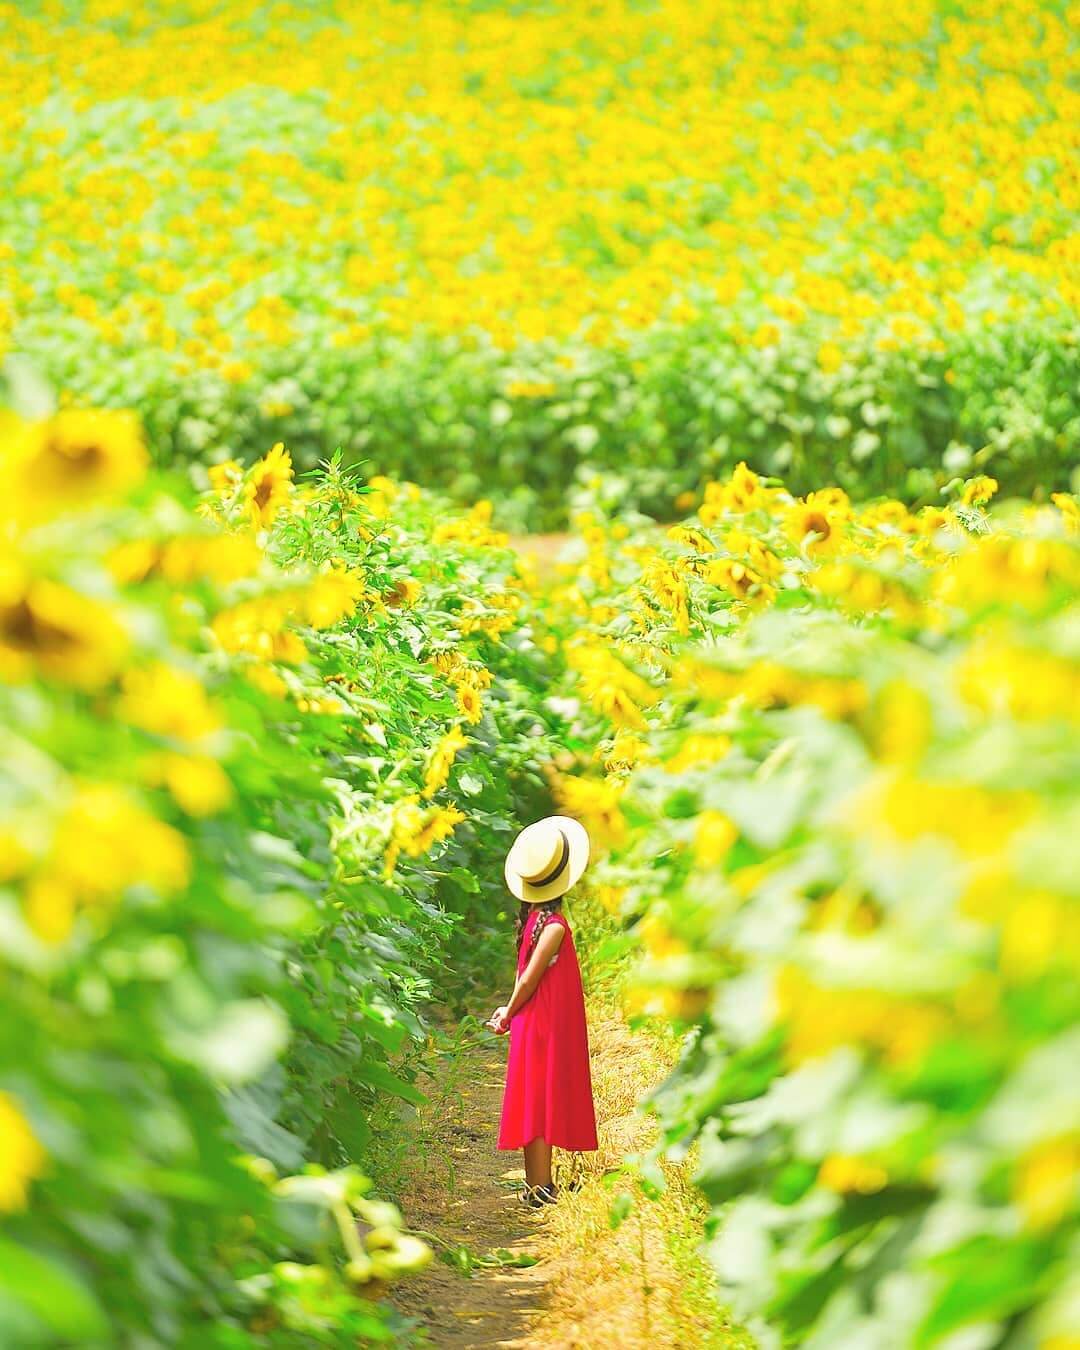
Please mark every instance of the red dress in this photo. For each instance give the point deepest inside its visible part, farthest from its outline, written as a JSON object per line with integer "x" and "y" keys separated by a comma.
{"x": 548, "y": 1088}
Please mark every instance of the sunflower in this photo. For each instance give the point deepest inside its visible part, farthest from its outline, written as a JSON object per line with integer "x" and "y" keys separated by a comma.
{"x": 739, "y": 580}
{"x": 268, "y": 484}
{"x": 470, "y": 703}
{"x": 442, "y": 760}
{"x": 50, "y": 630}
{"x": 225, "y": 476}
{"x": 332, "y": 596}
{"x": 978, "y": 491}
{"x": 21, "y": 1156}
{"x": 816, "y": 523}
{"x": 75, "y": 456}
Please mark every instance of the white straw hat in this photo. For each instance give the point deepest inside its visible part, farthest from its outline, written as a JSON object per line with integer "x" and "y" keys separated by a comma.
{"x": 546, "y": 859}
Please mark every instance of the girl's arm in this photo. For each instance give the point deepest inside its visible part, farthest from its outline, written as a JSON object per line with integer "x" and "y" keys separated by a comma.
{"x": 547, "y": 948}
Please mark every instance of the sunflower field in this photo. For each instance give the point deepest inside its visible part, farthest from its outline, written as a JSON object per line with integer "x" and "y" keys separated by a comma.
{"x": 834, "y": 757}
{"x": 506, "y": 241}
{"x": 303, "y": 309}
{"x": 261, "y": 752}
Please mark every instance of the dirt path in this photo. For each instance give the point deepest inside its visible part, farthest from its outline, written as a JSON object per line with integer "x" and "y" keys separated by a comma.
{"x": 465, "y": 1193}
{"x": 643, "y": 1286}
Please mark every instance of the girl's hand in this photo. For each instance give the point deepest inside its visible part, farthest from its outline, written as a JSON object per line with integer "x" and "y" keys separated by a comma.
{"x": 498, "y": 1021}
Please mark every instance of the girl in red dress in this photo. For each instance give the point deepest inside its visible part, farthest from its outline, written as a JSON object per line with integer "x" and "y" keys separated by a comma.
{"x": 548, "y": 1099}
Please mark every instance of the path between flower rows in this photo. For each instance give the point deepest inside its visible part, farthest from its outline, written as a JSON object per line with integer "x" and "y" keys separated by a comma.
{"x": 644, "y": 1284}
{"x": 592, "y": 1287}
{"x": 464, "y": 1193}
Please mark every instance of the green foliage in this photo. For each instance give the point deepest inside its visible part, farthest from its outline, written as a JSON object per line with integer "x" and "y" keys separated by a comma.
{"x": 672, "y": 409}
{"x": 839, "y": 798}
{"x": 231, "y": 874}
{"x": 844, "y": 248}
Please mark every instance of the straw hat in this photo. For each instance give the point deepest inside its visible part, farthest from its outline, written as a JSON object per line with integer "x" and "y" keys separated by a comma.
{"x": 546, "y": 859}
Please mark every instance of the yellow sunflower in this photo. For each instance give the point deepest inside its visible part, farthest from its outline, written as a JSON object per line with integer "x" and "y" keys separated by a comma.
{"x": 78, "y": 455}
{"x": 49, "y": 630}
{"x": 268, "y": 485}
{"x": 21, "y": 1156}
{"x": 816, "y": 524}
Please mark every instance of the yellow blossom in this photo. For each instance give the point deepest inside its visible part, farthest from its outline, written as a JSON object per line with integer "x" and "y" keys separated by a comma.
{"x": 197, "y": 783}
{"x": 740, "y": 581}
{"x": 22, "y": 1159}
{"x": 168, "y": 702}
{"x": 225, "y": 476}
{"x": 403, "y": 594}
{"x": 257, "y": 627}
{"x": 267, "y": 679}
{"x": 610, "y": 686}
{"x": 611, "y": 897}
{"x": 624, "y": 752}
{"x": 695, "y": 539}
{"x": 816, "y": 525}
{"x": 819, "y": 1019}
{"x": 978, "y": 491}
{"x": 50, "y": 630}
{"x": 595, "y": 803}
{"x": 997, "y": 569}
{"x": 974, "y": 819}
{"x": 901, "y": 723}
{"x": 442, "y": 759}
{"x": 999, "y": 676}
{"x": 843, "y": 1173}
{"x": 417, "y": 829}
{"x": 470, "y": 703}
{"x": 714, "y": 834}
{"x": 74, "y": 457}
{"x": 133, "y": 560}
{"x": 663, "y": 584}
{"x": 103, "y": 843}
{"x": 696, "y": 749}
{"x": 267, "y": 486}
{"x": 220, "y": 557}
{"x": 1047, "y": 1182}
{"x": 1070, "y": 510}
{"x": 655, "y": 935}
{"x": 332, "y": 596}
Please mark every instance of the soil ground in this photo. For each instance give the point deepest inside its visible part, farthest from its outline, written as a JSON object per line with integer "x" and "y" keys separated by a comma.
{"x": 467, "y": 1195}
{"x": 641, "y": 1284}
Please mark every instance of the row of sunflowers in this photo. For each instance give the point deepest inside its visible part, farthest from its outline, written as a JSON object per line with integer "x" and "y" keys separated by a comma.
{"x": 833, "y": 754}
{"x": 840, "y": 240}
{"x": 259, "y": 750}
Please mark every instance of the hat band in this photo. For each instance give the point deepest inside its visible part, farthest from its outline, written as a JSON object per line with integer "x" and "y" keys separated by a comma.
{"x": 559, "y": 867}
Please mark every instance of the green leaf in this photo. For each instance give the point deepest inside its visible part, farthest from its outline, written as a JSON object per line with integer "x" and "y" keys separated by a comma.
{"x": 620, "y": 1209}
{"x": 52, "y": 1293}
{"x": 860, "y": 1211}
{"x": 379, "y": 1076}
{"x": 987, "y": 1279}
{"x": 348, "y": 1123}
{"x": 804, "y": 1295}
{"x": 464, "y": 880}
{"x": 503, "y": 1256}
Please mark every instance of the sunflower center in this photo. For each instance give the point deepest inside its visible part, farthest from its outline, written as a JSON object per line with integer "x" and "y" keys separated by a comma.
{"x": 25, "y": 630}
{"x": 80, "y": 461}
{"x": 264, "y": 491}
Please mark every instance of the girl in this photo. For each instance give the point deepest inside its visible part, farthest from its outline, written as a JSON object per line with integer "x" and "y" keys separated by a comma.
{"x": 548, "y": 1098}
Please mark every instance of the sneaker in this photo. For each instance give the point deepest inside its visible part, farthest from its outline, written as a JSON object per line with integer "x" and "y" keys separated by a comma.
{"x": 536, "y": 1197}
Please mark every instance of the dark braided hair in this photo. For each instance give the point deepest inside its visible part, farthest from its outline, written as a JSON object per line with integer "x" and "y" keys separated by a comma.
{"x": 546, "y": 909}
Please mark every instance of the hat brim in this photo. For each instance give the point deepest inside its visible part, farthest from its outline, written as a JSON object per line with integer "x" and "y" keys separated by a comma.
{"x": 578, "y": 840}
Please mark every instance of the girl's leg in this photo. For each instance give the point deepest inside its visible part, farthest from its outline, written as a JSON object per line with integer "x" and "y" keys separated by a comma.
{"x": 538, "y": 1162}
